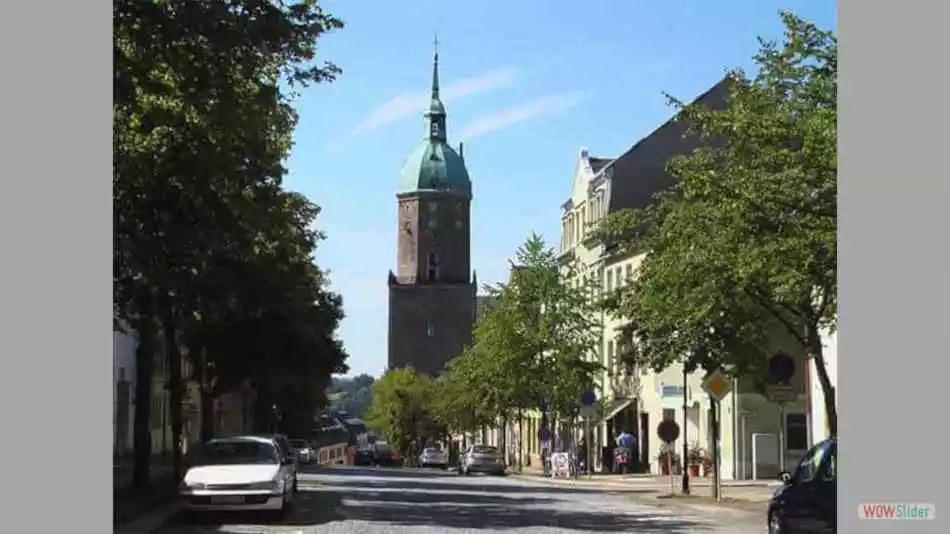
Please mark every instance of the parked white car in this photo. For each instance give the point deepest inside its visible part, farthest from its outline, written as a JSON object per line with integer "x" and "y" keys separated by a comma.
{"x": 434, "y": 457}
{"x": 240, "y": 473}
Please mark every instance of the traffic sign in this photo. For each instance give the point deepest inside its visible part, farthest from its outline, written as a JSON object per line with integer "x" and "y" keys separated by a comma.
{"x": 781, "y": 368}
{"x": 717, "y": 385}
{"x": 544, "y": 434}
{"x": 668, "y": 431}
{"x": 588, "y": 411}
{"x": 588, "y": 398}
{"x": 544, "y": 404}
{"x": 780, "y": 393}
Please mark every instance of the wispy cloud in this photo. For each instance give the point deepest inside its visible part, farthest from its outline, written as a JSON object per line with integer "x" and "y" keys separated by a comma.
{"x": 550, "y": 105}
{"x": 401, "y": 106}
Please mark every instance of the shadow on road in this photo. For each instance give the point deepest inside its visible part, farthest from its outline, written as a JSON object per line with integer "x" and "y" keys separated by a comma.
{"x": 398, "y": 500}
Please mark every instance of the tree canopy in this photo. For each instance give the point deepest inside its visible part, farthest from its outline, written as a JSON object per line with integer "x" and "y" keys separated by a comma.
{"x": 210, "y": 249}
{"x": 743, "y": 247}
{"x": 403, "y": 410}
{"x": 536, "y": 340}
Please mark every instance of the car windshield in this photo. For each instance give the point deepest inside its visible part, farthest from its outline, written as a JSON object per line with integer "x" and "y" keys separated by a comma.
{"x": 431, "y": 450}
{"x": 235, "y": 452}
{"x": 484, "y": 449}
{"x": 299, "y": 444}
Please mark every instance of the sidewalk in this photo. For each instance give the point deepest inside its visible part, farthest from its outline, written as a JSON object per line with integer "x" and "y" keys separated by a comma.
{"x": 745, "y": 490}
{"x": 148, "y": 509}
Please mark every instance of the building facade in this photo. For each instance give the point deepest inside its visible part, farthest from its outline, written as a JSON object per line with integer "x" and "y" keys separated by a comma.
{"x": 757, "y": 436}
{"x": 432, "y": 292}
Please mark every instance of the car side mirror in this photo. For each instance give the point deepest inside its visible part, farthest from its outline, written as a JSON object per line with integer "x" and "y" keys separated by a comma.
{"x": 785, "y": 477}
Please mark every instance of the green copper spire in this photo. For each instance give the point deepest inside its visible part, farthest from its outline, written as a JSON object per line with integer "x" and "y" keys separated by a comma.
{"x": 436, "y": 113}
{"x": 434, "y": 165}
{"x": 435, "y": 70}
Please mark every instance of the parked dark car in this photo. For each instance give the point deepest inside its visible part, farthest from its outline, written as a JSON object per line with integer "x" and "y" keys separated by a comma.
{"x": 383, "y": 454}
{"x": 363, "y": 457}
{"x": 808, "y": 502}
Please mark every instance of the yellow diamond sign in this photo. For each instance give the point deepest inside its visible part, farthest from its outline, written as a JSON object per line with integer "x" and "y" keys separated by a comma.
{"x": 717, "y": 385}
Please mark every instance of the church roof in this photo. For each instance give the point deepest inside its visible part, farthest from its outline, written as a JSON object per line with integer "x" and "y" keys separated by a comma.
{"x": 434, "y": 165}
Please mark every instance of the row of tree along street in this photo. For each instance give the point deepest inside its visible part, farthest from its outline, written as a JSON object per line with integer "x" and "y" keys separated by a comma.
{"x": 213, "y": 257}
{"x": 744, "y": 244}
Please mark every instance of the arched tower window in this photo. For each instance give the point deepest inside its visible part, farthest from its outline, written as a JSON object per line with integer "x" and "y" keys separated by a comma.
{"x": 432, "y": 268}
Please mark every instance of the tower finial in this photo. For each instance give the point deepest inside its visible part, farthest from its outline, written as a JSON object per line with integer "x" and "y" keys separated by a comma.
{"x": 435, "y": 67}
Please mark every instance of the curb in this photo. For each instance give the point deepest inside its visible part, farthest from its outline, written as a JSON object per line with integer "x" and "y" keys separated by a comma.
{"x": 150, "y": 522}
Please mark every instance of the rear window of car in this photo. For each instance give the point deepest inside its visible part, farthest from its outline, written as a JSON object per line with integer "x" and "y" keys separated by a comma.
{"x": 431, "y": 450}
{"x": 484, "y": 449}
{"x": 300, "y": 444}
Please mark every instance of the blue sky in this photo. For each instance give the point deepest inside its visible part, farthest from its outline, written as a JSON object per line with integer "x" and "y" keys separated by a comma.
{"x": 526, "y": 84}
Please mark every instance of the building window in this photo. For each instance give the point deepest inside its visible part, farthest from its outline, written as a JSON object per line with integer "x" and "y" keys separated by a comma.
{"x": 610, "y": 280}
{"x": 796, "y": 432}
{"x": 584, "y": 220}
{"x": 669, "y": 414}
{"x": 430, "y": 328}
{"x": 629, "y": 273}
{"x": 432, "y": 268}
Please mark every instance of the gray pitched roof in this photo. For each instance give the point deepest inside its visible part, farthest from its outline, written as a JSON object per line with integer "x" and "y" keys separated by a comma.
{"x": 641, "y": 172}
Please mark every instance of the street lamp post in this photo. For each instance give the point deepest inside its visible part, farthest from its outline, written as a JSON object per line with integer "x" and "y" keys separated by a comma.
{"x": 683, "y": 462}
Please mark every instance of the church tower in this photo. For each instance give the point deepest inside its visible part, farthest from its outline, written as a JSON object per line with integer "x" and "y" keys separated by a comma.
{"x": 432, "y": 292}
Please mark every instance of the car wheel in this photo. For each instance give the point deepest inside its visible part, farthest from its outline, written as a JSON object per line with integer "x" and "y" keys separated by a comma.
{"x": 776, "y": 523}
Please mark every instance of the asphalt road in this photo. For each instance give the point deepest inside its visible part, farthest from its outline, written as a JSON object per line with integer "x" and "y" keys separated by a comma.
{"x": 367, "y": 500}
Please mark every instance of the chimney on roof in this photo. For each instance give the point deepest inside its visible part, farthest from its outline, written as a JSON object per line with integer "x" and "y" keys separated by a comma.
{"x": 584, "y": 153}
{"x": 462, "y": 150}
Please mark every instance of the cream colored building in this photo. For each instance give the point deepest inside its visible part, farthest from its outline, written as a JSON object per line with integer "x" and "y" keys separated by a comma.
{"x": 751, "y": 425}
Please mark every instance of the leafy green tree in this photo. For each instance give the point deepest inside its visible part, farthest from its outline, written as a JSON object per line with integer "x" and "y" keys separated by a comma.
{"x": 536, "y": 340}
{"x": 202, "y": 124}
{"x": 459, "y": 405}
{"x": 402, "y": 410}
{"x": 744, "y": 245}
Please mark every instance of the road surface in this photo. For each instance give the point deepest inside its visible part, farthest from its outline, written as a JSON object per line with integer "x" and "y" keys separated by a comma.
{"x": 366, "y": 500}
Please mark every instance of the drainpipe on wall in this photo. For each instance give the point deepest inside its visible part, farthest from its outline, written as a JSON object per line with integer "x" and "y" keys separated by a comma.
{"x": 737, "y": 437}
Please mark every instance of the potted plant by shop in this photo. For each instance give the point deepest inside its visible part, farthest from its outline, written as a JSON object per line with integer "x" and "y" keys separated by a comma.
{"x": 695, "y": 460}
{"x": 668, "y": 459}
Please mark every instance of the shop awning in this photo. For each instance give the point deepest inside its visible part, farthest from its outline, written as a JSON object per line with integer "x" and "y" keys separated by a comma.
{"x": 615, "y": 407}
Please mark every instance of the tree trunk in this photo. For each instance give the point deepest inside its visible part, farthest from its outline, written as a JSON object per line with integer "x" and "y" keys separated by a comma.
{"x": 141, "y": 431}
{"x": 207, "y": 397}
{"x": 520, "y": 440}
{"x": 175, "y": 386}
{"x": 816, "y": 353}
{"x": 503, "y": 441}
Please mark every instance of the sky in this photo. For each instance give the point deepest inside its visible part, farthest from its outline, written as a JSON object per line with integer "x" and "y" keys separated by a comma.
{"x": 526, "y": 85}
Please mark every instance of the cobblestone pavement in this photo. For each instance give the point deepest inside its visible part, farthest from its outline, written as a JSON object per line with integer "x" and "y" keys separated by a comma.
{"x": 366, "y": 500}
